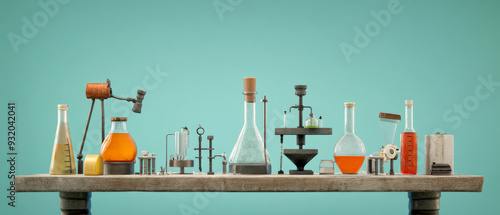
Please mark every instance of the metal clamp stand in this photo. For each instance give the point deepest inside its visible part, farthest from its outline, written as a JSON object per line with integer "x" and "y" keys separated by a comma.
{"x": 210, "y": 149}
{"x": 210, "y": 157}
{"x": 300, "y": 157}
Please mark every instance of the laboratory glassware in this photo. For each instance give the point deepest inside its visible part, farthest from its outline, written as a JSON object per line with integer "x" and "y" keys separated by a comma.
{"x": 118, "y": 145}
{"x": 63, "y": 162}
{"x": 312, "y": 122}
{"x": 409, "y": 143}
{"x": 248, "y": 156}
{"x": 349, "y": 152}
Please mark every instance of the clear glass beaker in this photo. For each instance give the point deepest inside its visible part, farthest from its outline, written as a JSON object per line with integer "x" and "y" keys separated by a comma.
{"x": 248, "y": 155}
{"x": 118, "y": 145}
{"x": 349, "y": 152}
{"x": 63, "y": 161}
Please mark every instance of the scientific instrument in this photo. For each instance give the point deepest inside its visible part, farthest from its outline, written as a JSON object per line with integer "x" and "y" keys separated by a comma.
{"x": 249, "y": 155}
{"x": 147, "y": 163}
{"x": 210, "y": 157}
{"x": 326, "y": 167}
{"x": 200, "y": 131}
{"x": 300, "y": 157}
{"x": 388, "y": 124}
{"x": 103, "y": 91}
{"x": 224, "y": 162}
{"x": 181, "y": 146}
{"x": 118, "y": 150}
{"x": 63, "y": 161}
{"x": 438, "y": 149}
{"x": 409, "y": 143}
{"x": 349, "y": 152}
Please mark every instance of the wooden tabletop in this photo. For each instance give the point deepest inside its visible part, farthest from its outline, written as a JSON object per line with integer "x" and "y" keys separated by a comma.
{"x": 248, "y": 183}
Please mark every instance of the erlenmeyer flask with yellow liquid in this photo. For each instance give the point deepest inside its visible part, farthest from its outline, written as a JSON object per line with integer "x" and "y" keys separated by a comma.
{"x": 63, "y": 162}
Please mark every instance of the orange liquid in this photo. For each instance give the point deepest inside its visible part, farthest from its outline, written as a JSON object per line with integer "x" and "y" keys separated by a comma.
{"x": 349, "y": 164}
{"x": 409, "y": 153}
{"x": 118, "y": 147}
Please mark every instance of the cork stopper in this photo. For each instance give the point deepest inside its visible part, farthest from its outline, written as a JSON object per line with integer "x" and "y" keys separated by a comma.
{"x": 249, "y": 89}
{"x": 350, "y": 104}
{"x": 62, "y": 107}
{"x": 409, "y": 103}
{"x": 389, "y": 116}
{"x": 114, "y": 119}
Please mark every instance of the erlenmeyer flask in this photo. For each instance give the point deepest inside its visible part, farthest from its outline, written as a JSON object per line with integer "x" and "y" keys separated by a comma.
{"x": 63, "y": 162}
{"x": 349, "y": 151}
{"x": 247, "y": 156}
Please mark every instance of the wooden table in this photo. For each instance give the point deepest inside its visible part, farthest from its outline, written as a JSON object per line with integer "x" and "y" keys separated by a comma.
{"x": 75, "y": 190}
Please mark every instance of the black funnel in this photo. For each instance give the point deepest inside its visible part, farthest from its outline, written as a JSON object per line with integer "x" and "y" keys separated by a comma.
{"x": 300, "y": 157}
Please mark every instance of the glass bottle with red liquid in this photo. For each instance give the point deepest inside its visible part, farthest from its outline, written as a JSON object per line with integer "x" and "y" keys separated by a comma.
{"x": 349, "y": 152}
{"x": 409, "y": 143}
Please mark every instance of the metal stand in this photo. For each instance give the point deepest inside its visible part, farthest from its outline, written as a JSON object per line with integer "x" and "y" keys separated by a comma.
{"x": 300, "y": 157}
{"x": 80, "y": 155}
{"x": 182, "y": 164}
{"x": 210, "y": 157}
{"x": 119, "y": 168}
{"x": 75, "y": 203}
{"x": 199, "y": 146}
{"x": 424, "y": 203}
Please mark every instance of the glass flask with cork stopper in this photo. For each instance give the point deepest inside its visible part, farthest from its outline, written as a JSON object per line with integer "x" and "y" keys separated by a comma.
{"x": 118, "y": 150}
{"x": 63, "y": 162}
{"x": 349, "y": 152}
{"x": 248, "y": 155}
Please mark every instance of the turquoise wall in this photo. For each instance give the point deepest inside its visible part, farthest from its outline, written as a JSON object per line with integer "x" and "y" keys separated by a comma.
{"x": 190, "y": 56}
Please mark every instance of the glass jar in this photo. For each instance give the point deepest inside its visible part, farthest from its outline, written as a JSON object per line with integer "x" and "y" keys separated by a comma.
{"x": 349, "y": 152}
{"x": 312, "y": 122}
{"x": 118, "y": 145}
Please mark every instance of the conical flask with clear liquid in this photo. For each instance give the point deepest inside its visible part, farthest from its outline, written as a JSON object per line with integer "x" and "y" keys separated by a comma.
{"x": 63, "y": 162}
{"x": 248, "y": 155}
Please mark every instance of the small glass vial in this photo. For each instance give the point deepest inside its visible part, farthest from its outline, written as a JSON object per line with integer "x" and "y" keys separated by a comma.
{"x": 326, "y": 167}
{"x": 409, "y": 143}
{"x": 312, "y": 122}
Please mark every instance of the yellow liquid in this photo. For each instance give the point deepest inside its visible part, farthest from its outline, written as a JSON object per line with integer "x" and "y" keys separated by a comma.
{"x": 63, "y": 162}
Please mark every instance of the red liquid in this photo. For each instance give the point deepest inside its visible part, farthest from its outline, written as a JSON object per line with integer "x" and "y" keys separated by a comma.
{"x": 349, "y": 164}
{"x": 409, "y": 153}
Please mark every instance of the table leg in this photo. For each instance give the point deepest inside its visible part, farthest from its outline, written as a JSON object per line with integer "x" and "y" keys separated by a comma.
{"x": 73, "y": 203}
{"x": 424, "y": 203}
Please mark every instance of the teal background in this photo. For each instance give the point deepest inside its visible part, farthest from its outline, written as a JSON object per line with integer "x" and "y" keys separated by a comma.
{"x": 433, "y": 52}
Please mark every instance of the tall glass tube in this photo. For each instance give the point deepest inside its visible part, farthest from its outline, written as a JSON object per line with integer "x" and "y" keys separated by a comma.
{"x": 409, "y": 143}
{"x": 248, "y": 156}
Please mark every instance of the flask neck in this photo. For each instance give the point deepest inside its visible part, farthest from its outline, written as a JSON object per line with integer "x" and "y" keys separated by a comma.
{"x": 409, "y": 119}
{"x": 349, "y": 120}
{"x": 249, "y": 113}
{"x": 118, "y": 127}
{"x": 62, "y": 116}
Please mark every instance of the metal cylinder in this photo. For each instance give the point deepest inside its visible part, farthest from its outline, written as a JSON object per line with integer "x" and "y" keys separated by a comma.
{"x": 75, "y": 203}
{"x": 439, "y": 149}
{"x": 424, "y": 203}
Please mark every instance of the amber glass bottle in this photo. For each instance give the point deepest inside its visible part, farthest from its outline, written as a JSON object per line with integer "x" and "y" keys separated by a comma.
{"x": 118, "y": 145}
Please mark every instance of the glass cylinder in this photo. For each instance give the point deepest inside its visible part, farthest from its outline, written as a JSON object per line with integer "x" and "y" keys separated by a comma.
{"x": 409, "y": 143}
{"x": 248, "y": 155}
{"x": 182, "y": 143}
{"x": 118, "y": 145}
{"x": 63, "y": 162}
{"x": 349, "y": 152}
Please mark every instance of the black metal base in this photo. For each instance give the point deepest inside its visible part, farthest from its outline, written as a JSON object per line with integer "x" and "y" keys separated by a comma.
{"x": 424, "y": 203}
{"x": 75, "y": 203}
{"x": 181, "y": 164}
{"x": 250, "y": 169}
{"x": 119, "y": 168}
{"x": 301, "y": 172}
